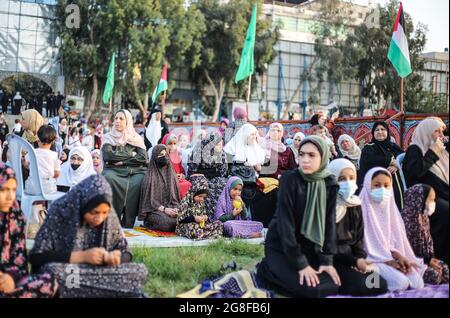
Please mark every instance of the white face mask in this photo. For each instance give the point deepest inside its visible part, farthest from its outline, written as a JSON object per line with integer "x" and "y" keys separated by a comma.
{"x": 380, "y": 195}
{"x": 431, "y": 208}
{"x": 347, "y": 188}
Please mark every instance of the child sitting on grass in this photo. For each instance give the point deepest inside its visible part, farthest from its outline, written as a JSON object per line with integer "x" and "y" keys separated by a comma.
{"x": 192, "y": 221}
{"x": 232, "y": 212}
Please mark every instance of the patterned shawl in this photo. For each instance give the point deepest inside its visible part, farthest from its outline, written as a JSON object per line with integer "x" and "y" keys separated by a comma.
{"x": 417, "y": 223}
{"x": 159, "y": 186}
{"x": 204, "y": 154}
{"x": 12, "y": 233}
{"x": 59, "y": 231}
{"x": 188, "y": 206}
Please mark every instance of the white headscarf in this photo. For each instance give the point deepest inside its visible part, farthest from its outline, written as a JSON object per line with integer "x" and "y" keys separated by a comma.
{"x": 335, "y": 167}
{"x": 241, "y": 151}
{"x": 154, "y": 130}
{"x": 354, "y": 153}
{"x": 296, "y": 150}
{"x": 422, "y": 137}
{"x": 128, "y": 136}
{"x": 70, "y": 177}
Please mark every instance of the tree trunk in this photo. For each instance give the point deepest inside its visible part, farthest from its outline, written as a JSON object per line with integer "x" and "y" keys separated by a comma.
{"x": 218, "y": 94}
{"x": 93, "y": 101}
{"x": 142, "y": 106}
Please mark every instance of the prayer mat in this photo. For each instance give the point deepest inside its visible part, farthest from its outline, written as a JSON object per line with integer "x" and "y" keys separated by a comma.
{"x": 154, "y": 233}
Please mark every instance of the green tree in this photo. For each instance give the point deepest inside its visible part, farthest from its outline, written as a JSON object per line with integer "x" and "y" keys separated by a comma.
{"x": 86, "y": 50}
{"x": 162, "y": 31}
{"x": 222, "y": 43}
{"x": 375, "y": 72}
{"x": 334, "y": 55}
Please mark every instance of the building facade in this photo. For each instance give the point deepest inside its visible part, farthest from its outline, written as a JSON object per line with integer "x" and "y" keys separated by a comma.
{"x": 29, "y": 41}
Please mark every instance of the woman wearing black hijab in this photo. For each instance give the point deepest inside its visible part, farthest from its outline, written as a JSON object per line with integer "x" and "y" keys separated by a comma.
{"x": 382, "y": 152}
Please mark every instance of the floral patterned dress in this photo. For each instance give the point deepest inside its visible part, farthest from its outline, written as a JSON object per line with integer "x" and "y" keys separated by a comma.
{"x": 417, "y": 225}
{"x": 13, "y": 260}
{"x": 186, "y": 225}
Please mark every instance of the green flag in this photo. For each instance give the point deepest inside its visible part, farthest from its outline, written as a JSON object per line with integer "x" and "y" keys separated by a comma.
{"x": 247, "y": 64}
{"x": 109, "y": 86}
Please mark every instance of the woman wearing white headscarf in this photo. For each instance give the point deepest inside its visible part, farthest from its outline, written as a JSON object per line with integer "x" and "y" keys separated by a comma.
{"x": 246, "y": 157}
{"x": 298, "y": 137}
{"x": 125, "y": 163}
{"x": 350, "y": 259}
{"x": 244, "y": 147}
{"x": 349, "y": 149}
{"x": 427, "y": 161}
{"x": 155, "y": 129}
{"x": 78, "y": 167}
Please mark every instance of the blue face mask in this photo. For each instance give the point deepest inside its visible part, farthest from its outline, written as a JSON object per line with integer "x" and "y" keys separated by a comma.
{"x": 380, "y": 194}
{"x": 347, "y": 189}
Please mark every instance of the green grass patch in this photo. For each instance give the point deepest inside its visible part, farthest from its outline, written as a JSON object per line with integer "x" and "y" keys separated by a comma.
{"x": 178, "y": 269}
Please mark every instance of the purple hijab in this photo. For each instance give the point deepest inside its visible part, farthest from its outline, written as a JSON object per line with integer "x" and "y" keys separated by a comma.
{"x": 224, "y": 204}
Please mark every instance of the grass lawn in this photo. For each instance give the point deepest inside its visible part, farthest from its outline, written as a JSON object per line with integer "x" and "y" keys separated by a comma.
{"x": 178, "y": 269}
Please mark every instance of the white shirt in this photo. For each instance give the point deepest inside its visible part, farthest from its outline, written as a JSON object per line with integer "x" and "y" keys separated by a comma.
{"x": 47, "y": 161}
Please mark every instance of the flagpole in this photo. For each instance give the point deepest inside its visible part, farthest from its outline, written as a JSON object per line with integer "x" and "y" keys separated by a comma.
{"x": 401, "y": 96}
{"x": 163, "y": 103}
{"x": 249, "y": 91}
{"x": 110, "y": 105}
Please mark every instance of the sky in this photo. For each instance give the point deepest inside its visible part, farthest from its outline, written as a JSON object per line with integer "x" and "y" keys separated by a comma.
{"x": 433, "y": 13}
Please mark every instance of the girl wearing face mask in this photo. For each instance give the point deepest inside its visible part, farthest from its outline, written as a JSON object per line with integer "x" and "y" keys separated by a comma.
{"x": 385, "y": 239}
{"x": 427, "y": 161}
{"x": 160, "y": 197}
{"x": 350, "y": 260}
{"x": 76, "y": 169}
{"x": 382, "y": 152}
{"x": 420, "y": 204}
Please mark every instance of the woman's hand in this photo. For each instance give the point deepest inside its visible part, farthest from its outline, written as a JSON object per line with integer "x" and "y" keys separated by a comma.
{"x": 436, "y": 265}
{"x": 258, "y": 167}
{"x": 236, "y": 212}
{"x": 330, "y": 270}
{"x": 308, "y": 275}
{"x": 438, "y": 146}
{"x": 93, "y": 256}
{"x": 171, "y": 212}
{"x": 113, "y": 258}
{"x": 7, "y": 284}
{"x": 363, "y": 266}
{"x": 120, "y": 163}
{"x": 392, "y": 169}
{"x": 200, "y": 218}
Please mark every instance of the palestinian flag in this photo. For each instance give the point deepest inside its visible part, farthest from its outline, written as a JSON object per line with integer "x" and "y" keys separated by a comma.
{"x": 398, "y": 52}
{"x": 162, "y": 84}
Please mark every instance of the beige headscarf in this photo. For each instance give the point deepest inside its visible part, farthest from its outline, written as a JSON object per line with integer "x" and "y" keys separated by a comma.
{"x": 422, "y": 138}
{"x": 33, "y": 121}
{"x": 128, "y": 136}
